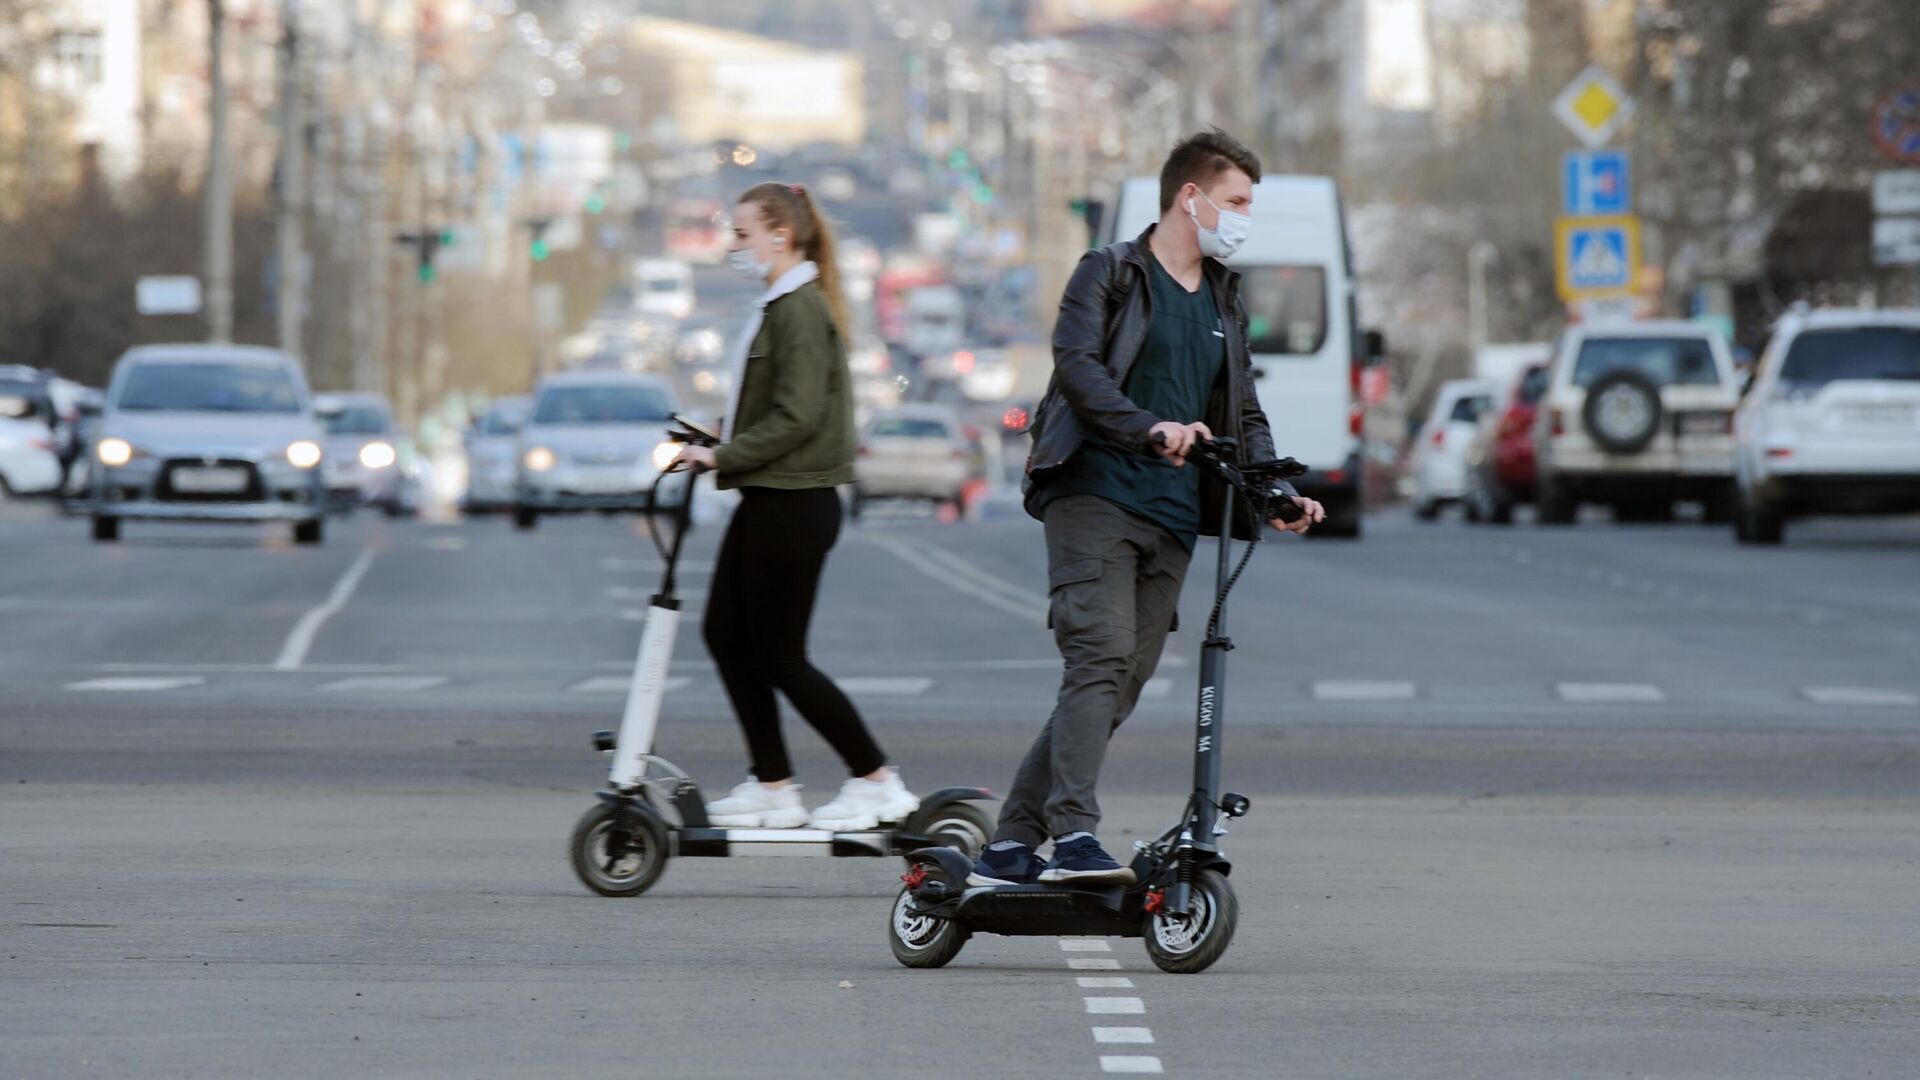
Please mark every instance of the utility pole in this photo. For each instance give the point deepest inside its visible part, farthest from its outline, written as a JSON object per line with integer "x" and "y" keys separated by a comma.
{"x": 217, "y": 187}
{"x": 291, "y": 299}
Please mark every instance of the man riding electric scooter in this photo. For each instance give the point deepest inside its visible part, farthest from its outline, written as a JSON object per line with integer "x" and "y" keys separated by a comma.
{"x": 1150, "y": 354}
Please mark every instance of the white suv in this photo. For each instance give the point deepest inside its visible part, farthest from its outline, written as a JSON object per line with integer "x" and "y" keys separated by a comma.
{"x": 1831, "y": 422}
{"x": 1636, "y": 414}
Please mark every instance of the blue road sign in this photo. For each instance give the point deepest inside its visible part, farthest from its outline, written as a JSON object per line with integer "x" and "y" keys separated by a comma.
{"x": 1596, "y": 257}
{"x": 1596, "y": 182}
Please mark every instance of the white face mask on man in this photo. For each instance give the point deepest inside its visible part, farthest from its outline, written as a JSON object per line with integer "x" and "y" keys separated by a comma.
{"x": 1225, "y": 238}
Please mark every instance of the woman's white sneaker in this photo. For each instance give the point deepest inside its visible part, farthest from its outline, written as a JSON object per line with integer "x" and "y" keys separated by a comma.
{"x": 864, "y": 804}
{"x": 754, "y": 805}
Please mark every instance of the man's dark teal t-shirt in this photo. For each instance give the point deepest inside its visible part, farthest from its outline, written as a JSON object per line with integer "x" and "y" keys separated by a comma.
{"x": 1179, "y": 363}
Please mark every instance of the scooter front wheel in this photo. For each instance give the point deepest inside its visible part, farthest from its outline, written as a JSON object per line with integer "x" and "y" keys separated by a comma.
{"x": 619, "y": 852}
{"x": 1184, "y": 944}
{"x": 922, "y": 941}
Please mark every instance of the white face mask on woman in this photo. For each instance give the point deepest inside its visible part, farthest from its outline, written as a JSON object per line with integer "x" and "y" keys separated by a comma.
{"x": 1225, "y": 238}
{"x": 743, "y": 261}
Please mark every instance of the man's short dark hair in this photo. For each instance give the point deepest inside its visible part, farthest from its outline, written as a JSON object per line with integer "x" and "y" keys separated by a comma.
{"x": 1200, "y": 158}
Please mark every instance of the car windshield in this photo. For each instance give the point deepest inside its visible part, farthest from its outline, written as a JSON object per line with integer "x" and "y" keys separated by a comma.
{"x": 1533, "y": 385}
{"x": 603, "y": 405}
{"x": 357, "y": 420}
{"x": 664, "y": 285}
{"x": 1468, "y": 409}
{"x": 502, "y": 420}
{"x": 1675, "y": 361}
{"x": 1286, "y": 308}
{"x": 1819, "y": 357}
{"x": 209, "y": 386}
{"x": 910, "y": 427}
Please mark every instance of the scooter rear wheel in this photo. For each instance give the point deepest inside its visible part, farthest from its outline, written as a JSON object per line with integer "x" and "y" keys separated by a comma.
{"x": 1184, "y": 944}
{"x": 955, "y": 825}
{"x": 921, "y": 941}
{"x": 619, "y": 852}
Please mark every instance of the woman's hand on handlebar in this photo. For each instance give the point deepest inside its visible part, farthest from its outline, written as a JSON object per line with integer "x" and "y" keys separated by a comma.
{"x": 1172, "y": 440}
{"x": 696, "y": 458}
{"x": 1311, "y": 514}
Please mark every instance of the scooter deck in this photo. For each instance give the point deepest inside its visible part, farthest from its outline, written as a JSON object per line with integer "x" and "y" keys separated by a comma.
{"x": 1048, "y": 910}
{"x": 701, "y": 842}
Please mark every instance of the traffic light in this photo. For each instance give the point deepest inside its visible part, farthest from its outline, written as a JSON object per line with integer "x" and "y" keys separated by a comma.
{"x": 597, "y": 199}
{"x": 537, "y": 247}
{"x": 426, "y": 244}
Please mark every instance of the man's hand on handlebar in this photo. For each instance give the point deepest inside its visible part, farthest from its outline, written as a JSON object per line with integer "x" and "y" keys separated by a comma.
{"x": 696, "y": 458}
{"x": 1311, "y": 514}
{"x": 1172, "y": 440}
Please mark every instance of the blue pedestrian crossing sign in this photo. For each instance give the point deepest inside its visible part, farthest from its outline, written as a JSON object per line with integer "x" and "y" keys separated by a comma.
{"x": 1594, "y": 182}
{"x": 1597, "y": 256}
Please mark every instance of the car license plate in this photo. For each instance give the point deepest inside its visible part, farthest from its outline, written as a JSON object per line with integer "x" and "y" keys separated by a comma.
{"x": 1703, "y": 423}
{"x": 210, "y": 481}
{"x": 604, "y": 481}
{"x": 1898, "y": 415}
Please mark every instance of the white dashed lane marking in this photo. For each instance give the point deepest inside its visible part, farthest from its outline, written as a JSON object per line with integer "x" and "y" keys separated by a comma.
{"x": 138, "y": 682}
{"x": 1363, "y": 690}
{"x": 1858, "y": 695}
{"x": 1116, "y": 1006}
{"x": 1104, "y": 982}
{"x": 1610, "y": 693}
{"x": 387, "y": 683}
{"x": 1122, "y": 1035}
{"x": 1093, "y": 964}
{"x": 1085, "y": 945}
{"x": 883, "y": 686}
{"x": 1120, "y": 1063}
{"x": 1157, "y": 687}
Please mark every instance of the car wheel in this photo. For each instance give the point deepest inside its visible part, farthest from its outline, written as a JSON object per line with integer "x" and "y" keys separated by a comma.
{"x": 525, "y": 517}
{"x": 1554, "y": 503}
{"x": 1428, "y": 510}
{"x": 309, "y": 532}
{"x": 106, "y": 529}
{"x": 1757, "y": 523}
{"x": 1722, "y": 506}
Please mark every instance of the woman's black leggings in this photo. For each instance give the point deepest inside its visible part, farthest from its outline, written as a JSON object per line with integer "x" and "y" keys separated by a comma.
{"x": 756, "y": 627}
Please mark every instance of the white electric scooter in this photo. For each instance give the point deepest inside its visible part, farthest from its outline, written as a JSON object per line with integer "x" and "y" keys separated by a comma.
{"x": 652, "y": 810}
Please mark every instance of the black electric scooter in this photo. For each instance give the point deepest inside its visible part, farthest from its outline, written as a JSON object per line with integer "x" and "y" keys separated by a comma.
{"x": 652, "y": 810}
{"x": 1180, "y": 901}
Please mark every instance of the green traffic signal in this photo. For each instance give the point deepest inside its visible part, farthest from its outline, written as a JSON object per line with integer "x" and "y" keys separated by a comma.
{"x": 540, "y": 251}
{"x": 427, "y": 273}
{"x": 596, "y": 203}
{"x": 956, "y": 158}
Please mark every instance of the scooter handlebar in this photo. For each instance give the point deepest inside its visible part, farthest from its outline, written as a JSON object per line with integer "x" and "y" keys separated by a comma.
{"x": 1255, "y": 480}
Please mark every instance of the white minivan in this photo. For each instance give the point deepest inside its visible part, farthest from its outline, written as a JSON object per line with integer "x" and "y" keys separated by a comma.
{"x": 663, "y": 287}
{"x": 1296, "y": 281}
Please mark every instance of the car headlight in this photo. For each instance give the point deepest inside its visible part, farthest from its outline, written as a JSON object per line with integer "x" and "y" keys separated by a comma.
{"x": 114, "y": 451}
{"x": 377, "y": 455}
{"x": 538, "y": 459}
{"x": 303, "y": 454}
{"x": 664, "y": 454}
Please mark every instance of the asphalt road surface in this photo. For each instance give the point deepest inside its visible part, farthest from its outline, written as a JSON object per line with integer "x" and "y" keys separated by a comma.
{"x": 1609, "y": 801}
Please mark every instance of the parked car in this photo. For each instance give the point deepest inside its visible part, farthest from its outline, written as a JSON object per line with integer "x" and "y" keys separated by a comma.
{"x": 663, "y": 287}
{"x": 28, "y": 463}
{"x": 595, "y": 441}
{"x": 491, "y": 444}
{"x": 1638, "y": 415}
{"x": 913, "y": 451}
{"x": 988, "y": 377}
{"x": 1438, "y": 458}
{"x": 47, "y": 400}
{"x": 363, "y": 453}
{"x": 1830, "y": 422}
{"x": 1500, "y": 464}
{"x": 209, "y": 433}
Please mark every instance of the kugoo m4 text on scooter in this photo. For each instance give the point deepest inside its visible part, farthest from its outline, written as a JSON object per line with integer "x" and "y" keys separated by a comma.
{"x": 652, "y": 810}
{"x": 1180, "y": 901}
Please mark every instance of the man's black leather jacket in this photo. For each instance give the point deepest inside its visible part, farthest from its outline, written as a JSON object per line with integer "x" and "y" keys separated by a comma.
{"x": 1096, "y": 338}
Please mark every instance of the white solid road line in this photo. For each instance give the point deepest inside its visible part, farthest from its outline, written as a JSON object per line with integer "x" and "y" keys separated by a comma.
{"x": 294, "y": 652}
{"x": 387, "y": 683}
{"x": 1119, "y": 1063}
{"x": 1858, "y": 695}
{"x": 1610, "y": 693}
{"x": 619, "y": 684}
{"x": 137, "y": 682}
{"x": 996, "y": 595}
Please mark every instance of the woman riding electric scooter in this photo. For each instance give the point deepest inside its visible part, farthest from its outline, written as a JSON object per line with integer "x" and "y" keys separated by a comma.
{"x": 790, "y": 440}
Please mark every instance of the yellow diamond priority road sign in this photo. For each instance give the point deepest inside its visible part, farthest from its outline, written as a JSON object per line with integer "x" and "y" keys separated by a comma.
{"x": 1593, "y": 106}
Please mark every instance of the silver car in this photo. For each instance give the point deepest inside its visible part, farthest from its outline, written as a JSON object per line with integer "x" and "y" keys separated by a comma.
{"x": 596, "y": 441}
{"x": 208, "y": 433}
{"x": 492, "y": 443}
{"x": 362, "y": 453}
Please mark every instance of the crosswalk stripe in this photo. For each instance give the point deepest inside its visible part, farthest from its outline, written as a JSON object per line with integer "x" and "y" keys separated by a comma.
{"x": 1610, "y": 693}
{"x": 1858, "y": 695}
{"x": 886, "y": 686}
{"x": 618, "y": 684}
{"x": 1363, "y": 690}
{"x": 395, "y": 683}
{"x": 138, "y": 682}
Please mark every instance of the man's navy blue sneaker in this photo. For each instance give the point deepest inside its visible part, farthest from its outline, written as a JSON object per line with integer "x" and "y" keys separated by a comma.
{"x": 1009, "y": 866}
{"x": 1083, "y": 861}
